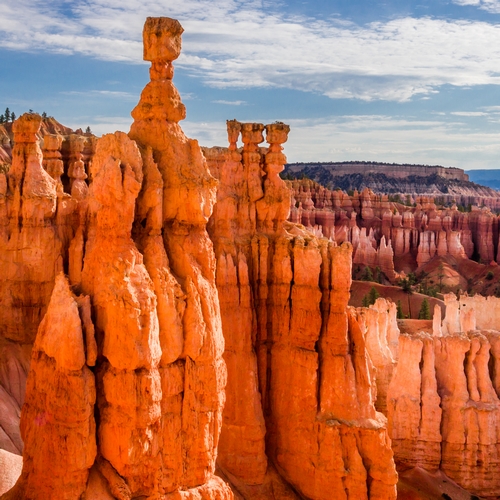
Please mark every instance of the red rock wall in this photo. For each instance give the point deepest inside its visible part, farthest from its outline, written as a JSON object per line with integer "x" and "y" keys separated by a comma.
{"x": 392, "y": 229}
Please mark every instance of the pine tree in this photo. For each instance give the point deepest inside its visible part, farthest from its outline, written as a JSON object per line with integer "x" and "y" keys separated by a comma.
{"x": 367, "y": 274}
{"x": 373, "y": 295}
{"x": 7, "y": 114}
{"x": 12, "y": 117}
{"x": 88, "y": 131}
{"x": 399, "y": 311}
{"x": 425, "y": 312}
{"x": 366, "y": 301}
{"x": 2, "y": 119}
{"x": 44, "y": 115}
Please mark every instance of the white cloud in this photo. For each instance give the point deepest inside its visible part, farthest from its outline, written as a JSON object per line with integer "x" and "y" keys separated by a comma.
{"x": 102, "y": 124}
{"x": 233, "y": 44}
{"x": 124, "y": 96}
{"x": 392, "y": 139}
{"x": 492, "y": 6}
{"x": 376, "y": 138}
{"x": 468, "y": 113}
{"x": 230, "y": 103}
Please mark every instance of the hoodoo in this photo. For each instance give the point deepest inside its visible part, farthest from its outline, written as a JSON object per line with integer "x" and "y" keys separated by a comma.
{"x": 140, "y": 344}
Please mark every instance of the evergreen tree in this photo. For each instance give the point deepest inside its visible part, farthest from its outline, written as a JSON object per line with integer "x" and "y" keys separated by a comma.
{"x": 425, "y": 312}
{"x": 399, "y": 309}
{"x": 7, "y": 114}
{"x": 2, "y": 119}
{"x": 366, "y": 301}
{"x": 88, "y": 131}
{"x": 12, "y": 117}
{"x": 373, "y": 295}
{"x": 44, "y": 115}
{"x": 367, "y": 274}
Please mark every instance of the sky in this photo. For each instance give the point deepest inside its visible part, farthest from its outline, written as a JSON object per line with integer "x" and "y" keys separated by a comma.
{"x": 394, "y": 81}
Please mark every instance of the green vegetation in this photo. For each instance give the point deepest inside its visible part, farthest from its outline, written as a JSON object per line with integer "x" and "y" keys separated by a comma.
{"x": 399, "y": 309}
{"x": 421, "y": 284}
{"x": 374, "y": 295}
{"x": 425, "y": 312}
{"x": 9, "y": 116}
{"x": 489, "y": 276}
{"x": 367, "y": 274}
{"x": 370, "y": 297}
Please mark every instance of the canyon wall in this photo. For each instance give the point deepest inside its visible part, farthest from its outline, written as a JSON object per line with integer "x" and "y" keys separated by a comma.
{"x": 395, "y": 171}
{"x": 448, "y": 185}
{"x": 394, "y": 236}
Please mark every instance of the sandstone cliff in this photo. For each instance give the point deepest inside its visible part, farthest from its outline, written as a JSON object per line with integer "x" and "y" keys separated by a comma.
{"x": 446, "y": 183}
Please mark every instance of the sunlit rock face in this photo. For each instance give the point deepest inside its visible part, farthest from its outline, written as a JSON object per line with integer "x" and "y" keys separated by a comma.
{"x": 125, "y": 392}
{"x": 299, "y": 398}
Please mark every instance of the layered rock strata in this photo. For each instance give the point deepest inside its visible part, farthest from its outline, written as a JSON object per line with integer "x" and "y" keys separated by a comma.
{"x": 446, "y": 183}
{"x": 392, "y": 235}
{"x": 304, "y": 404}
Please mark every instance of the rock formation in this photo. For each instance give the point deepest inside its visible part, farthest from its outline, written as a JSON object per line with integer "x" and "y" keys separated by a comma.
{"x": 137, "y": 339}
{"x": 397, "y": 237}
{"x": 443, "y": 405}
{"x": 446, "y": 183}
{"x": 58, "y": 426}
{"x": 189, "y": 342}
{"x": 304, "y": 404}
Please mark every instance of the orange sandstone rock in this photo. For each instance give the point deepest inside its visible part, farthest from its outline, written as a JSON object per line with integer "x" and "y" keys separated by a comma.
{"x": 308, "y": 382}
{"x": 57, "y": 422}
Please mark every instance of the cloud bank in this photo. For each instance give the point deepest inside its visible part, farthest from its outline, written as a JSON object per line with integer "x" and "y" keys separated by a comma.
{"x": 235, "y": 44}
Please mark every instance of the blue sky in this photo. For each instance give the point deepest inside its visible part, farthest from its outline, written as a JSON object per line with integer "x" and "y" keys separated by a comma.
{"x": 395, "y": 81}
